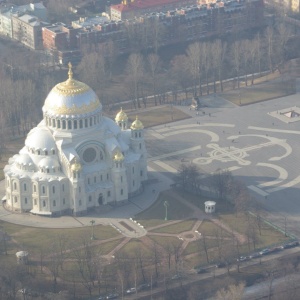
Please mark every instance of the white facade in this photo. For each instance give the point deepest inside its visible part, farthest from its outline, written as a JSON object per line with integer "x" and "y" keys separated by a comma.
{"x": 76, "y": 159}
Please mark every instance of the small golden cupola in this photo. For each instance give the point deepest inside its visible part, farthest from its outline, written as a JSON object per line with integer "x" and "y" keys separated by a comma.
{"x": 137, "y": 124}
{"x": 122, "y": 119}
{"x": 76, "y": 166}
{"x": 118, "y": 157}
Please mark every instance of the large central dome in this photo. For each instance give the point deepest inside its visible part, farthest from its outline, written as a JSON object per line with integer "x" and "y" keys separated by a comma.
{"x": 71, "y": 97}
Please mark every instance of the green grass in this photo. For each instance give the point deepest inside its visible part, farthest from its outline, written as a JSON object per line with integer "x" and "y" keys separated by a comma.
{"x": 42, "y": 238}
{"x": 197, "y": 246}
{"x": 262, "y": 92}
{"x": 105, "y": 248}
{"x": 176, "y": 210}
{"x": 176, "y": 228}
{"x": 135, "y": 247}
{"x": 208, "y": 228}
{"x": 165, "y": 241}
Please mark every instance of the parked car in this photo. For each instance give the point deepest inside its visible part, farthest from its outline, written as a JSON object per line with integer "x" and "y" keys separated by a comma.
{"x": 176, "y": 276}
{"x": 131, "y": 290}
{"x": 144, "y": 286}
{"x": 112, "y": 296}
{"x": 255, "y": 255}
{"x": 264, "y": 251}
{"x": 290, "y": 245}
{"x": 244, "y": 258}
{"x": 201, "y": 271}
{"x": 221, "y": 265}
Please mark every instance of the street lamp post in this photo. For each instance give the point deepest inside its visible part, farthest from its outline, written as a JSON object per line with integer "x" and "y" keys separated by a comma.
{"x": 166, "y": 204}
{"x": 92, "y": 223}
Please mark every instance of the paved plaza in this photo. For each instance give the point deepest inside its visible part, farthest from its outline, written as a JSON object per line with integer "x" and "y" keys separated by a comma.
{"x": 258, "y": 143}
{"x": 254, "y": 142}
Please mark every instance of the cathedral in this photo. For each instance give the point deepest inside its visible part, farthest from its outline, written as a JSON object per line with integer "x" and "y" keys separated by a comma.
{"x": 76, "y": 160}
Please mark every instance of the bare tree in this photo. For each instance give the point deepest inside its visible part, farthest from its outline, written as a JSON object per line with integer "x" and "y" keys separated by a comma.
{"x": 236, "y": 59}
{"x": 221, "y": 182}
{"x": 195, "y": 63}
{"x": 154, "y": 68}
{"x": 135, "y": 71}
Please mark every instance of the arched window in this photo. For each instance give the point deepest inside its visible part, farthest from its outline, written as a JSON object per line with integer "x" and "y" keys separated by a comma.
{"x": 90, "y": 198}
{"x": 54, "y": 203}
{"x": 75, "y": 124}
{"x": 141, "y": 172}
{"x": 54, "y": 123}
{"x": 47, "y": 170}
{"x": 43, "y": 190}
{"x": 135, "y": 135}
{"x": 63, "y": 187}
{"x": 101, "y": 177}
{"x": 140, "y": 135}
{"x": 53, "y": 189}
{"x": 80, "y": 202}
{"x": 46, "y": 152}
{"x": 15, "y": 185}
{"x": 108, "y": 193}
{"x": 58, "y": 123}
{"x": 69, "y": 124}
{"x": 80, "y": 124}
{"x": 53, "y": 151}
{"x": 25, "y": 200}
{"x": 79, "y": 189}
{"x": 39, "y": 152}
{"x": 86, "y": 123}
{"x": 25, "y": 187}
{"x": 44, "y": 203}
{"x": 63, "y": 124}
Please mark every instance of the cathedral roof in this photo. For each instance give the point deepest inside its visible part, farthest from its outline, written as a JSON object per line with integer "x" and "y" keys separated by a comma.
{"x": 40, "y": 138}
{"x": 71, "y": 97}
{"x": 121, "y": 116}
{"x": 137, "y": 124}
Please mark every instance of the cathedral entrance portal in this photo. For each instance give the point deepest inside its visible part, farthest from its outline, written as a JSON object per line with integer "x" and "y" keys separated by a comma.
{"x": 100, "y": 199}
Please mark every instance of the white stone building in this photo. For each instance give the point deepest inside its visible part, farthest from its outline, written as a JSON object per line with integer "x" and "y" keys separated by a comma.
{"x": 76, "y": 159}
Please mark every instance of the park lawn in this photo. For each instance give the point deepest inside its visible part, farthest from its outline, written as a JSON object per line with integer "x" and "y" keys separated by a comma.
{"x": 261, "y": 92}
{"x": 197, "y": 246}
{"x": 208, "y": 228}
{"x": 134, "y": 248}
{"x": 176, "y": 228}
{"x": 107, "y": 247}
{"x": 32, "y": 238}
{"x": 165, "y": 241}
{"x": 176, "y": 209}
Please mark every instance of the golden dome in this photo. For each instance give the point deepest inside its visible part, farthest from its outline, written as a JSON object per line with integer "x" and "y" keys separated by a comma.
{"x": 137, "y": 124}
{"x": 71, "y": 97}
{"x": 118, "y": 156}
{"x": 76, "y": 166}
{"x": 121, "y": 116}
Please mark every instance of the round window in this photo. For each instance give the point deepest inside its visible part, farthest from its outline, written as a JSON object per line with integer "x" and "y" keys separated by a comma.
{"x": 89, "y": 155}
